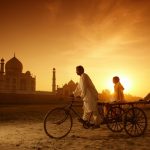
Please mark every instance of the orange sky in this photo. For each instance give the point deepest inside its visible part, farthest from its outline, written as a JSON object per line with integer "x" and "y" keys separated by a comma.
{"x": 107, "y": 37}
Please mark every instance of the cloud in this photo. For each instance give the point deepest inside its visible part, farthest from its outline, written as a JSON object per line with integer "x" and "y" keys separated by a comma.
{"x": 80, "y": 25}
{"x": 101, "y": 22}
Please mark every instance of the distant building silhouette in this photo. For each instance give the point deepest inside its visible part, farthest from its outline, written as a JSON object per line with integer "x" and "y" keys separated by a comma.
{"x": 67, "y": 89}
{"x": 54, "y": 81}
{"x": 12, "y": 80}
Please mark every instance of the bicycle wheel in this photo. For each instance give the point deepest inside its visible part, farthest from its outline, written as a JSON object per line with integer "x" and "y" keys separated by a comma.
{"x": 57, "y": 123}
{"x": 115, "y": 119}
{"x": 135, "y": 122}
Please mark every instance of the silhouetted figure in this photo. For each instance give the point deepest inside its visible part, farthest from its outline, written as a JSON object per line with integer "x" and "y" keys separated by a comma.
{"x": 89, "y": 94}
{"x": 118, "y": 90}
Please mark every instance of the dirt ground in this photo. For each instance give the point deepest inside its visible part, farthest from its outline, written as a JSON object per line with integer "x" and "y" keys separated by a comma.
{"x": 21, "y": 128}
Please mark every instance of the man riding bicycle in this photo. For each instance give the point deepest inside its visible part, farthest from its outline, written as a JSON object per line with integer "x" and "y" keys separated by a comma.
{"x": 87, "y": 91}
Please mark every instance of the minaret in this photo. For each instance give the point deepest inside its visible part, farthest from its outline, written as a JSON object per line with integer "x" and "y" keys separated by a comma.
{"x": 2, "y": 66}
{"x": 54, "y": 81}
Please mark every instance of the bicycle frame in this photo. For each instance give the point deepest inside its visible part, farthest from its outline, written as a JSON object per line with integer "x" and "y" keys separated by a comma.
{"x": 69, "y": 107}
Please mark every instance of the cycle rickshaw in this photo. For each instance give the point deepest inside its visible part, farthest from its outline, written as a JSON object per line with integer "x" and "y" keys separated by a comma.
{"x": 120, "y": 116}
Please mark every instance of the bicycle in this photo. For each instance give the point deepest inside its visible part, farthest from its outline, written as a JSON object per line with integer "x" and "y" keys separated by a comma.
{"x": 58, "y": 121}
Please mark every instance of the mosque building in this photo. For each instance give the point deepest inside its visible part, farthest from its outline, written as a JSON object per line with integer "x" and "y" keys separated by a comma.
{"x": 67, "y": 88}
{"x": 13, "y": 80}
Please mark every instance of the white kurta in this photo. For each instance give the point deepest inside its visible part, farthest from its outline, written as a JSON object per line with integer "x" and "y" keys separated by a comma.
{"x": 88, "y": 92}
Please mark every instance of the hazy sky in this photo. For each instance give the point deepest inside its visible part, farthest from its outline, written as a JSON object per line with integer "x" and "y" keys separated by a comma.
{"x": 107, "y": 37}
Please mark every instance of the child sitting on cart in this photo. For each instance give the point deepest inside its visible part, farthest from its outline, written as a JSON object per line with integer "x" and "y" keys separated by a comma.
{"x": 118, "y": 93}
{"x": 118, "y": 90}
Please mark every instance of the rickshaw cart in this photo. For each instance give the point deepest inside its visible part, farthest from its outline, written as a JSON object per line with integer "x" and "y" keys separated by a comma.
{"x": 128, "y": 116}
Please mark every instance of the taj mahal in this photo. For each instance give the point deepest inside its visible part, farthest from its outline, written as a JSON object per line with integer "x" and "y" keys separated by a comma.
{"x": 13, "y": 80}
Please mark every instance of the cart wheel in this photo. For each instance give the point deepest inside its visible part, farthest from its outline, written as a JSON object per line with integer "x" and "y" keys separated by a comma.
{"x": 135, "y": 122}
{"x": 57, "y": 123}
{"x": 115, "y": 119}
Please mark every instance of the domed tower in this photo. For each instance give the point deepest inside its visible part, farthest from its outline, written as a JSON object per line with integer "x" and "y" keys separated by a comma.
{"x": 2, "y": 66}
{"x": 13, "y": 67}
